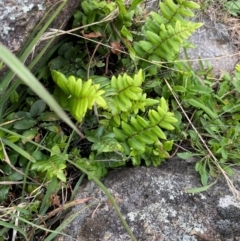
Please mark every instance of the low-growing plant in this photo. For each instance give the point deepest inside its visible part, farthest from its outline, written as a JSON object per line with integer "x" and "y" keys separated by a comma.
{"x": 130, "y": 124}
{"x": 233, "y": 7}
{"x": 127, "y": 124}
{"x": 148, "y": 44}
{"x": 214, "y": 106}
{"x": 122, "y": 83}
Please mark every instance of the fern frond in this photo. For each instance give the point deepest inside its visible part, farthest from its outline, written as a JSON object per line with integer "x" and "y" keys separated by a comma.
{"x": 54, "y": 166}
{"x": 114, "y": 120}
{"x": 139, "y": 131}
{"x": 127, "y": 90}
{"x": 167, "y": 42}
{"x": 166, "y": 31}
{"x": 81, "y": 95}
{"x": 177, "y": 12}
{"x": 162, "y": 117}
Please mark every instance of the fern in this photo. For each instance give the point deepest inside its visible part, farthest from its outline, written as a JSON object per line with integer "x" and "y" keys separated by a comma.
{"x": 78, "y": 96}
{"x": 53, "y": 166}
{"x": 166, "y": 31}
{"x": 177, "y": 12}
{"x": 131, "y": 125}
{"x": 153, "y": 154}
{"x": 127, "y": 89}
{"x": 140, "y": 131}
{"x": 126, "y": 99}
{"x": 137, "y": 130}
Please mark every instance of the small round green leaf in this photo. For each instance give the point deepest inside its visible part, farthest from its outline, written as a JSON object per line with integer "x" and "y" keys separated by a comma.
{"x": 24, "y": 124}
{"x": 37, "y": 108}
{"x": 48, "y": 116}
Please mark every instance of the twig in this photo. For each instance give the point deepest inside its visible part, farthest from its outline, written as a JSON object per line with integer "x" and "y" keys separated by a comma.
{"x": 14, "y": 232}
{"x": 66, "y": 206}
{"x": 107, "y": 63}
{"x": 49, "y": 35}
{"x": 14, "y": 183}
{"x": 90, "y": 61}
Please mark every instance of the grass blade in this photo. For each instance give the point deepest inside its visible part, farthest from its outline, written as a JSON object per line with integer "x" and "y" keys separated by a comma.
{"x": 8, "y": 78}
{"x": 12, "y": 226}
{"x": 200, "y": 189}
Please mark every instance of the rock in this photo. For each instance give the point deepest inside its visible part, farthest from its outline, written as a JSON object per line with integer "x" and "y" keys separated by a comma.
{"x": 213, "y": 44}
{"x": 157, "y": 207}
{"x": 18, "y": 19}
{"x": 151, "y": 5}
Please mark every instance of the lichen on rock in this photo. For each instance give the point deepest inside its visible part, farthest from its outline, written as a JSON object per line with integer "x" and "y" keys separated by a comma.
{"x": 157, "y": 207}
{"x": 18, "y": 18}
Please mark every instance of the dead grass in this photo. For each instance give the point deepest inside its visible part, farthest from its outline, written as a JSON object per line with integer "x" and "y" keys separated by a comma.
{"x": 233, "y": 26}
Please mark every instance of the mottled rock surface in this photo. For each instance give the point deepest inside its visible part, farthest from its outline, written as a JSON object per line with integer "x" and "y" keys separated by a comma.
{"x": 157, "y": 207}
{"x": 213, "y": 46}
{"x": 19, "y": 17}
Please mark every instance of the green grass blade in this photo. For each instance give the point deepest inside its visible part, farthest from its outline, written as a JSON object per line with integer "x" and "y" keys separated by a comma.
{"x": 66, "y": 222}
{"x": 32, "y": 225}
{"x": 76, "y": 187}
{"x": 9, "y": 225}
{"x": 18, "y": 150}
{"x": 201, "y": 189}
{"x": 50, "y": 189}
{"x": 8, "y": 78}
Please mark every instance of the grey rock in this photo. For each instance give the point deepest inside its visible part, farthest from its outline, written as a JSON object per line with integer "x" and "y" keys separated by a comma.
{"x": 214, "y": 47}
{"x": 151, "y": 5}
{"x": 157, "y": 207}
{"x": 18, "y": 18}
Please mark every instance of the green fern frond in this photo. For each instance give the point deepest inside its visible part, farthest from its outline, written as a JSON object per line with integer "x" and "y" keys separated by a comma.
{"x": 153, "y": 154}
{"x": 125, "y": 90}
{"x": 173, "y": 12}
{"x": 161, "y": 116}
{"x": 127, "y": 99}
{"x": 81, "y": 95}
{"x": 139, "y": 131}
{"x": 167, "y": 42}
{"x": 139, "y": 105}
{"x": 165, "y": 31}
{"x": 157, "y": 153}
{"x": 54, "y": 166}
